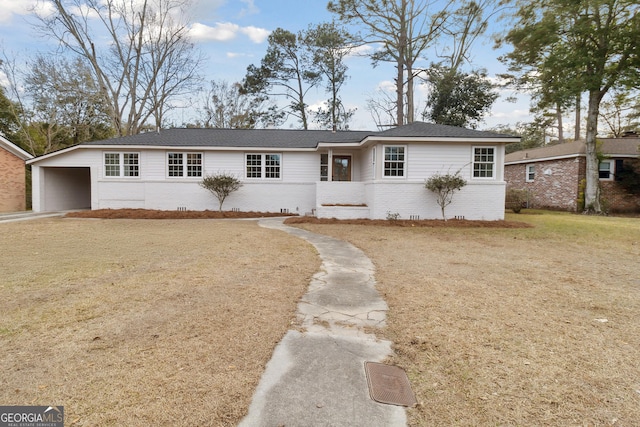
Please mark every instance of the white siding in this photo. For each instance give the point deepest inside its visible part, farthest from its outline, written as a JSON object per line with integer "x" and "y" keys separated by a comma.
{"x": 153, "y": 165}
{"x": 370, "y": 162}
{"x": 76, "y": 158}
{"x": 301, "y": 167}
{"x": 365, "y": 160}
{"x": 298, "y": 190}
{"x": 224, "y": 161}
{"x": 474, "y": 201}
{"x": 425, "y": 160}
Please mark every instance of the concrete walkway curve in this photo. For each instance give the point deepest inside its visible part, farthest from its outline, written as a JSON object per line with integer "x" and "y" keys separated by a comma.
{"x": 316, "y": 377}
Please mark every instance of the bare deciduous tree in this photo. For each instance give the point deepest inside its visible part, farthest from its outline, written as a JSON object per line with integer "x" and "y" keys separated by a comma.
{"x": 146, "y": 62}
{"x": 225, "y": 106}
{"x": 404, "y": 29}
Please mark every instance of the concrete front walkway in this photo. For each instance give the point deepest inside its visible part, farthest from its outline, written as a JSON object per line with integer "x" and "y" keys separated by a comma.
{"x": 316, "y": 376}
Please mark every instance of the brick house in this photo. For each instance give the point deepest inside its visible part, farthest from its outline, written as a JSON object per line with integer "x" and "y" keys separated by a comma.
{"x": 12, "y": 176}
{"x": 553, "y": 174}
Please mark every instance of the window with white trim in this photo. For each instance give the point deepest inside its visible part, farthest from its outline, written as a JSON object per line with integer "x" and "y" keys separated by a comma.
{"x": 484, "y": 162}
{"x": 605, "y": 170}
{"x": 531, "y": 173}
{"x": 324, "y": 167}
{"x": 184, "y": 165}
{"x": 121, "y": 164}
{"x": 263, "y": 166}
{"x": 394, "y": 161}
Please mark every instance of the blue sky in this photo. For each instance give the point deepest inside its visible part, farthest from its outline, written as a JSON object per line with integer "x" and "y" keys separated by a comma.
{"x": 232, "y": 35}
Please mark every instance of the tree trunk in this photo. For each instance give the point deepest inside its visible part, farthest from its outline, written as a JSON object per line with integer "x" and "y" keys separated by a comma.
{"x": 400, "y": 88}
{"x": 592, "y": 188}
{"x": 301, "y": 106}
{"x": 402, "y": 55}
{"x": 410, "y": 105}
{"x": 559, "y": 118}
{"x": 577, "y": 129}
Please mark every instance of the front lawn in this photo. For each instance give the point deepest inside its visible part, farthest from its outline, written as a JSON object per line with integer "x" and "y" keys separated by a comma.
{"x": 513, "y": 327}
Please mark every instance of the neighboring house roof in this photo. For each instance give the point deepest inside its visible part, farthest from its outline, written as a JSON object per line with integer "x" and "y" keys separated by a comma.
{"x": 612, "y": 147}
{"x": 14, "y": 149}
{"x": 283, "y": 139}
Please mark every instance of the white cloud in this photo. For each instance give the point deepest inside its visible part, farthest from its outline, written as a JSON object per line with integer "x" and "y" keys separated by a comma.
{"x": 232, "y": 55}
{"x": 4, "y": 80}
{"x": 513, "y": 114}
{"x": 251, "y": 8}
{"x": 257, "y": 35}
{"x": 362, "y": 50}
{"x": 86, "y": 11}
{"x": 386, "y": 86}
{"x": 226, "y": 31}
{"x": 319, "y": 105}
{"x": 8, "y": 8}
{"x": 223, "y": 31}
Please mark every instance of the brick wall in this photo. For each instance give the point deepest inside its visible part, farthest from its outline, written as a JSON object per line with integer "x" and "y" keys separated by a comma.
{"x": 12, "y": 182}
{"x": 617, "y": 198}
{"x": 555, "y": 185}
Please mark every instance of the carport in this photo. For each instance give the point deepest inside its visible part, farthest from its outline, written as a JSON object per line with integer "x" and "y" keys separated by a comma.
{"x": 64, "y": 188}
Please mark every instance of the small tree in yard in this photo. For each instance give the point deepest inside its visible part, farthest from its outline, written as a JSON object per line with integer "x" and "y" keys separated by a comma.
{"x": 444, "y": 186}
{"x": 221, "y": 185}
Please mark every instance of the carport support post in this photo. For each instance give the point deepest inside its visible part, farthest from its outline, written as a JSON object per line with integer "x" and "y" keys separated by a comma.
{"x": 36, "y": 185}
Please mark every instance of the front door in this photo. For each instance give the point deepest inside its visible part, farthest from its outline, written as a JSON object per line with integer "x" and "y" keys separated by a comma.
{"x": 341, "y": 168}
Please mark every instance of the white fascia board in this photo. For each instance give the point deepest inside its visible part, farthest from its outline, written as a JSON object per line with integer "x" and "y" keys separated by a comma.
{"x": 544, "y": 159}
{"x": 53, "y": 154}
{"x": 197, "y": 148}
{"x": 569, "y": 156}
{"x": 339, "y": 145}
{"x": 379, "y": 139}
{"x": 165, "y": 148}
{"x": 14, "y": 149}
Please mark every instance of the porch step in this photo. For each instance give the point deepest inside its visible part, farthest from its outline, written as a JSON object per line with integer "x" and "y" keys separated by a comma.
{"x": 343, "y": 212}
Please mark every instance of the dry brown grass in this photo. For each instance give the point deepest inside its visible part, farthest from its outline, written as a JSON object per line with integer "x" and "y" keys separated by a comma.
{"x": 136, "y": 322}
{"x": 513, "y": 327}
{"x": 171, "y": 322}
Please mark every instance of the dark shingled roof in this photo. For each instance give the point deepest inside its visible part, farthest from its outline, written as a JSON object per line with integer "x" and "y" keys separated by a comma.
{"x": 284, "y": 138}
{"x": 422, "y": 129}
{"x": 249, "y": 138}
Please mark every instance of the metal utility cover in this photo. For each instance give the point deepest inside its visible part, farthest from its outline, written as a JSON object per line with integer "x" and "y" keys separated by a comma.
{"x": 389, "y": 384}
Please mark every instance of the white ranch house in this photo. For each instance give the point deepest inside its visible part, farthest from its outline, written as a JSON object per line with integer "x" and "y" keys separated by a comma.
{"x": 350, "y": 174}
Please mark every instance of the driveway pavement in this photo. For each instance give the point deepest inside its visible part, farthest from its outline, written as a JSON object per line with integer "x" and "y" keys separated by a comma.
{"x": 25, "y": 216}
{"x": 316, "y": 376}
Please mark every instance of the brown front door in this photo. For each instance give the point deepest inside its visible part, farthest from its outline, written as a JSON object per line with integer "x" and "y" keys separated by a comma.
{"x": 341, "y": 168}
